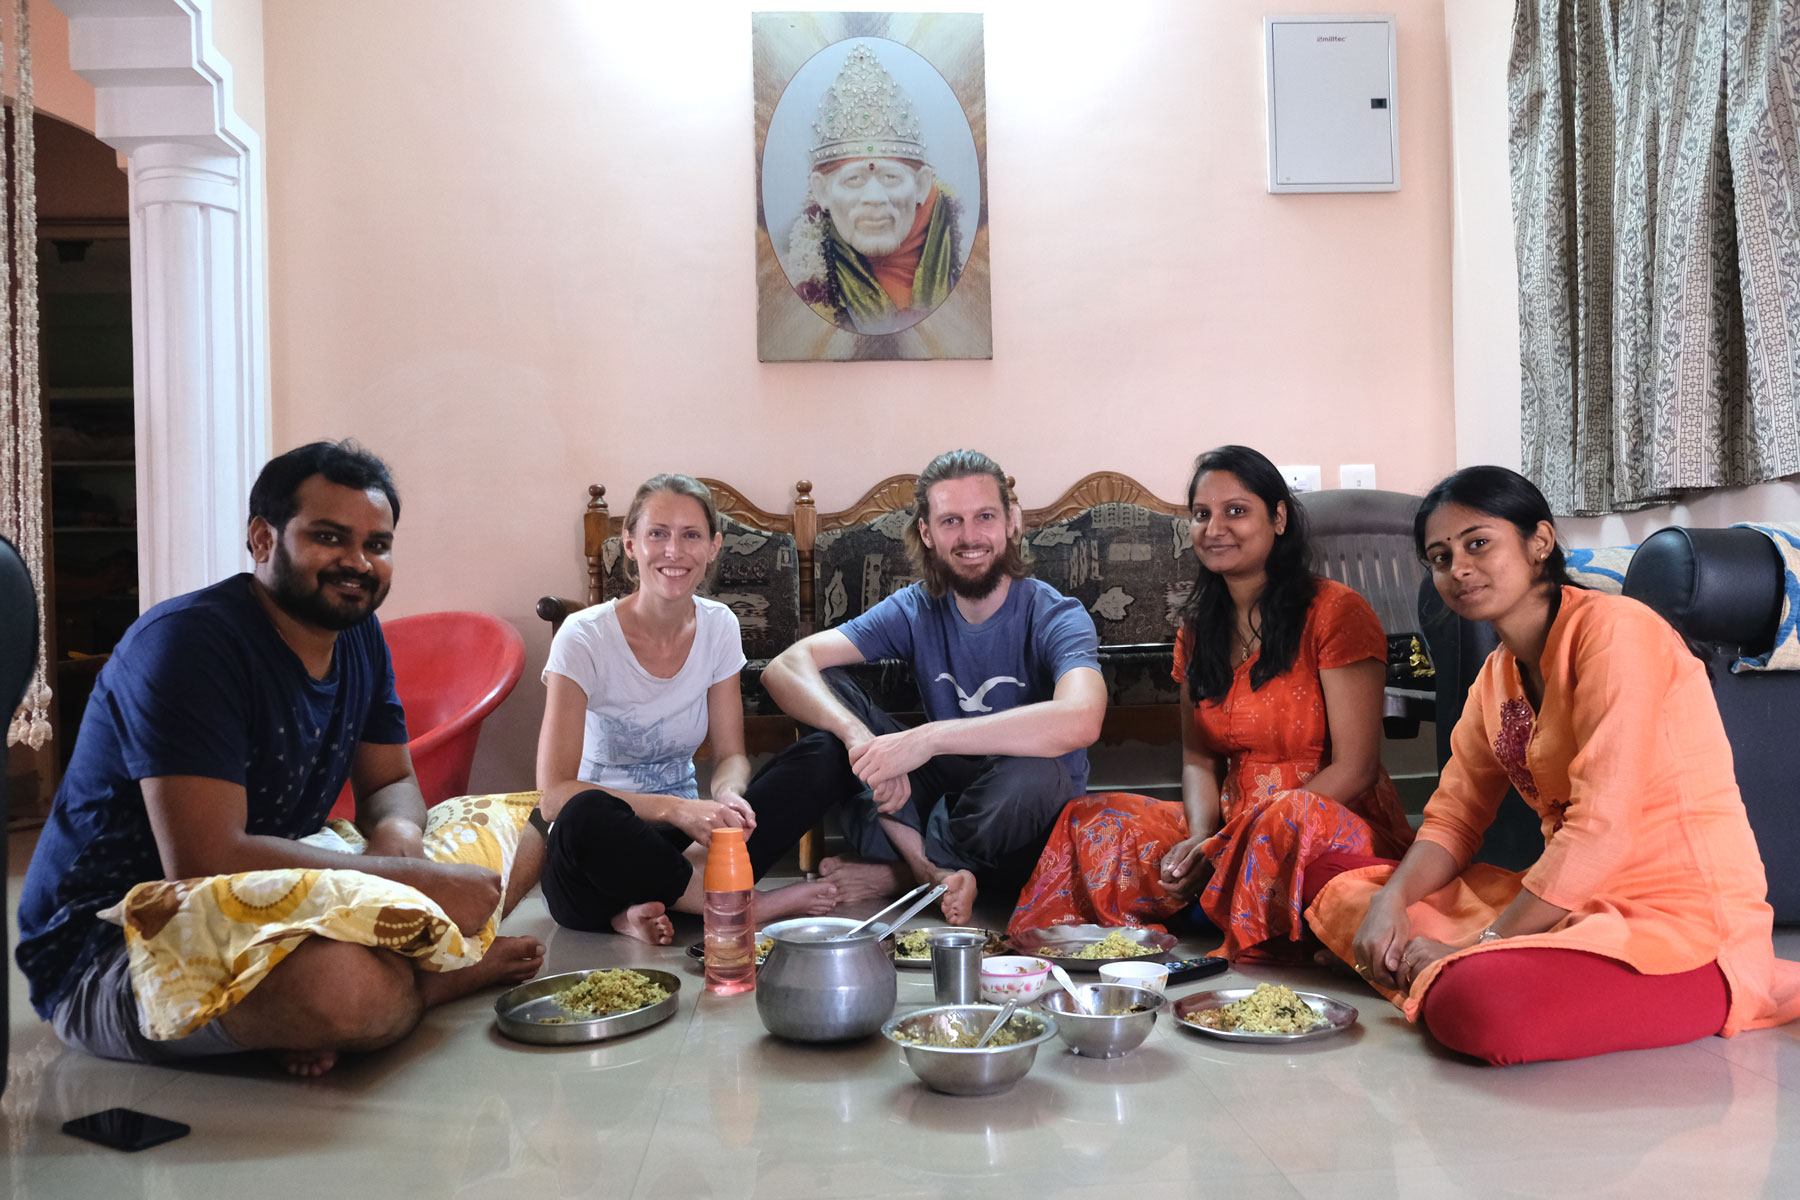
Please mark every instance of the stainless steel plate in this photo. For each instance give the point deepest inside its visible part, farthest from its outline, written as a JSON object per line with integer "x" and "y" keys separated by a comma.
{"x": 697, "y": 951}
{"x": 527, "y": 1013}
{"x": 1338, "y": 1016}
{"x": 1059, "y": 943}
{"x": 994, "y": 937}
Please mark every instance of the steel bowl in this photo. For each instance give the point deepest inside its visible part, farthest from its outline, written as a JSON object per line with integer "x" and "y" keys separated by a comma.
{"x": 959, "y": 1072}
{"x": 1115, "y": 1030}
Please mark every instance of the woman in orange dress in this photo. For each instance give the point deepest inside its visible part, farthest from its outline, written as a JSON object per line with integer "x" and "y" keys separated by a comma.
{"x": 1282, "y": 675}
{"x": 1644, "y": 922}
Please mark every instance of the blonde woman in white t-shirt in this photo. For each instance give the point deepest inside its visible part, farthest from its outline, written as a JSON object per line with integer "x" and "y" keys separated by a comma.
{"x": 634, "y": 686}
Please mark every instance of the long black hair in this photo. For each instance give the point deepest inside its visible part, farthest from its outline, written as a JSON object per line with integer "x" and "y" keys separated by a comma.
{"x": 1500, "y": 493}
{"x": 1209, "y": 615}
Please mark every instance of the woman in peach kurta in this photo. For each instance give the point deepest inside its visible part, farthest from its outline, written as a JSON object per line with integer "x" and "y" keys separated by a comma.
{"x": 1644, "y": 922}
{"x": 1253, "y": 754}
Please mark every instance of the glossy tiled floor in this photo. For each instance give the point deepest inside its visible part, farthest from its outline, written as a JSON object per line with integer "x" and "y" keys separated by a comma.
{"x": 707, "y": 1105}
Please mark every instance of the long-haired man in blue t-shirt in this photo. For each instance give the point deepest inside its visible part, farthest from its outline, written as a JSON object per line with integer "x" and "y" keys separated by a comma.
{"x": 1009, "y": 676}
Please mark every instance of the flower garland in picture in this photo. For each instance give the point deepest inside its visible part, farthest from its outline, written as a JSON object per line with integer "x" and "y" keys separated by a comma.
{"x": 813, "y": 253}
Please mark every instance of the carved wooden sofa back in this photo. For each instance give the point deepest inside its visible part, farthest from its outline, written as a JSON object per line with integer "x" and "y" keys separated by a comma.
{"x": 1123, "y": 552}
{"x": 854, "y": 558}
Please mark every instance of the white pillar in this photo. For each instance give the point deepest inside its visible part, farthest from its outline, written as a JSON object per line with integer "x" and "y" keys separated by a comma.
{"x": 199, "y": 365}
{"x": 198, "y": 444}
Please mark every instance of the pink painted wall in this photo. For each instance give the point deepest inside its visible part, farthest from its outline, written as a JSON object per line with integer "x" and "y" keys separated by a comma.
{"x": 515, "y": 257}
{"x": 55, "y": 88}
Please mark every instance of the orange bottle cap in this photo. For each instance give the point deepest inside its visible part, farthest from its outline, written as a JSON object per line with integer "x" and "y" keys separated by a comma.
{"x": 728, "y": 862}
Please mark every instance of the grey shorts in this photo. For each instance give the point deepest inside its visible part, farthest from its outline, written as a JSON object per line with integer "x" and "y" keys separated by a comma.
{"x": 100, "y": 1015}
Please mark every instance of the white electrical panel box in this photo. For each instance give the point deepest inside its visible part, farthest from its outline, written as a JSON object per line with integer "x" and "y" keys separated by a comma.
{"x": 1332, "y": 84}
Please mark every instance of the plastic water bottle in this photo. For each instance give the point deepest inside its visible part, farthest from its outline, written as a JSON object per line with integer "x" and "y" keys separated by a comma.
{"x": 730, "y": 915}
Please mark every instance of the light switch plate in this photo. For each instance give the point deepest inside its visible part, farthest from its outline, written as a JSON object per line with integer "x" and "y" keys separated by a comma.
{"x": 1303, "y": 479}
{"x": 1356, "y": 475}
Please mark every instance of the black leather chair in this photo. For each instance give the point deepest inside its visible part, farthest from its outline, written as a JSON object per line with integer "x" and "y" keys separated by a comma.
{"x": 1722, "y": 590}
{"x": 1458, "y": 648}
{"x": 1363, "y": 538}
{"x": 18, "y": 655}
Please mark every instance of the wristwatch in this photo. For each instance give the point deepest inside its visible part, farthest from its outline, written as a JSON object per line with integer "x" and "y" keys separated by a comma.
{"x": 1488, "y": 935}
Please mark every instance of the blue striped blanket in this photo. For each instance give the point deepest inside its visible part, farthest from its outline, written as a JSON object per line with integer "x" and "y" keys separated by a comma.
{"x": 1602, "y": 569}
{"x": 1784, "y": 655}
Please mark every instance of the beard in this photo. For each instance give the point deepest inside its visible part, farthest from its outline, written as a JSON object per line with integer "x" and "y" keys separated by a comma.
{"x": 981, "y": 586}
{"x": 870, "y": 244}
{"x": 315, "y": 606}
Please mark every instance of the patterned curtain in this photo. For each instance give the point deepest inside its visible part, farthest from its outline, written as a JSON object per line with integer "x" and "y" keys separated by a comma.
{"x": 1656, "y": 199}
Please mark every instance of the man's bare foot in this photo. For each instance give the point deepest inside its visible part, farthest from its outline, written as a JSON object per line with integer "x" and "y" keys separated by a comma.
{"x": 959, "y": 897}
{"x": 307, "y": 1064}
{"x": 508, "y": 960}
{"x": 858, "y": 879}
{"x": 647, "y": 922}
{"x": 813, "y": 898}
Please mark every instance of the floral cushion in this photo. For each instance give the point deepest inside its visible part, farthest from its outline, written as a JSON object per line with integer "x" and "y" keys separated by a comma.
{"x": 757, "y": 574}
{"x": 1131, "y": 568}
{"x": 1139, "y": 675}
{"x": 857, "y": 567}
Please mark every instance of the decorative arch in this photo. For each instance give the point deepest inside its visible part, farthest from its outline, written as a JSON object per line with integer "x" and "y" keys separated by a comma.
{"x": 162, "y": 95}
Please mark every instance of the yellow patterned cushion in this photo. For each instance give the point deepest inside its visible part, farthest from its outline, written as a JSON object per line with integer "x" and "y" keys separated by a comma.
{"x": 198, "y": 946}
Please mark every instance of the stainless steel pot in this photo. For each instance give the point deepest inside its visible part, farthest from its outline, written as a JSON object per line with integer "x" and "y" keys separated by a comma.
{"x": 812, "y": 989}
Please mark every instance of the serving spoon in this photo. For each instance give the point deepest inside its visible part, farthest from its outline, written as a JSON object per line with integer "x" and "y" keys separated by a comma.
{"x": 1000, "y": 1021}
{"x": 931, "y": 893}
{"x": 1078, "y": 991}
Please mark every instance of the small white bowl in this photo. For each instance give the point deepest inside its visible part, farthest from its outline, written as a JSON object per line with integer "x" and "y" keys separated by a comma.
{"x": 1154, "y": 976}
{"x": 1013, "y": 977}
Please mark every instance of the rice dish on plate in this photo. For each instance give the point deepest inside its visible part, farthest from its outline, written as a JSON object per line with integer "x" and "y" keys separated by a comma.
{"x": 1114, "y": 945}
{"x": 1271, "y": 1008}
{"x": 916, "y": 943}
{"x": 603, "y": 993}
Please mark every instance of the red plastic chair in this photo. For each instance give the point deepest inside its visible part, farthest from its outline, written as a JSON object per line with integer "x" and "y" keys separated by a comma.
{"x": 452, "y": 669}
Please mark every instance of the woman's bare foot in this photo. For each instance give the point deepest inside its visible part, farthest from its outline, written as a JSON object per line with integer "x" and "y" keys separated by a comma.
{"x": 307, "y": 1064}
{"x": 959, "y": 897}
{"x": 647, "y": 922}
{"x": 858, "y": 879}
{"x": 813, "y": 898}
{"x": 508, "y": 960}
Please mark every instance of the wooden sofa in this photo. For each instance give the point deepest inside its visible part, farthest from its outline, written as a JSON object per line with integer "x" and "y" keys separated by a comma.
{"x": 1108, "y": 541}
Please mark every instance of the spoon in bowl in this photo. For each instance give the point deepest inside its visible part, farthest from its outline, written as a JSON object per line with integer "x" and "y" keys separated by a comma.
{"x": 1000, "y": 1021}
{"x": 1076, "y": 990}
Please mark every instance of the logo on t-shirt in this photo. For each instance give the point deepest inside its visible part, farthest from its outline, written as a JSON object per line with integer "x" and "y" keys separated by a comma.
{"x": 973, "y": 704}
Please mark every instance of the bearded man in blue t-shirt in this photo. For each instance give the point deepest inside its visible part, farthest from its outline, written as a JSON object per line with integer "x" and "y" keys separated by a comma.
{"x": 1008, "y": 672}
{"x": 220, "y": 731}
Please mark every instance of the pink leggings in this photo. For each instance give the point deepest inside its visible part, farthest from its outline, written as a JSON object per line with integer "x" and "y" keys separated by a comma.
{"x": 1537, "y": 1004}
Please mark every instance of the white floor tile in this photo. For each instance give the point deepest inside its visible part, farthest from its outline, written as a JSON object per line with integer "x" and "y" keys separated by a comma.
{"x": 709, "y": 1105}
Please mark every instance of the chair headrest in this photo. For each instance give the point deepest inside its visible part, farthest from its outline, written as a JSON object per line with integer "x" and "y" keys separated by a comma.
{"x": 1714, "y": 585}
{"x": 1359, "y": 511}
{"x": 18, "y": 629}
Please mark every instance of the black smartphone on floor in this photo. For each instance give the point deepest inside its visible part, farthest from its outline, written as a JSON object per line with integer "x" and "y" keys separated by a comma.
{"x": 125, "y": 1129}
